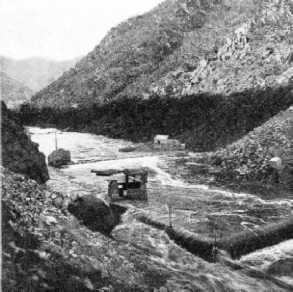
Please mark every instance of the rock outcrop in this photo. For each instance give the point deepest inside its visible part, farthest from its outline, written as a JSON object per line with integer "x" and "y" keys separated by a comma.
{"x": 59, "y": 157}
{"x": 19, "y": 153}
{"x": 255, "y": 55}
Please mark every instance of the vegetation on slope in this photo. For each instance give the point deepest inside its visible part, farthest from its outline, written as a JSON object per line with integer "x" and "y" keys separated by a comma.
{"x": 203, "y": 121}
{"x": 134, "y": 59}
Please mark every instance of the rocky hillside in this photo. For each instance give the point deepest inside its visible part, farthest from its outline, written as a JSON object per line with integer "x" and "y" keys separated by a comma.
{"x": 35, "y": 73}
{"x": 255, "y": 54}
{"x": 13, "y": 93}
{"x": 248, "y": 159}
{"x": 19, "y": 153}
{"x": 184, "y": 47}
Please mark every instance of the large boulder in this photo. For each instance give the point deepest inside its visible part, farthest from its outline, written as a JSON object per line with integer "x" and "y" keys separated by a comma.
{"x": 59, "y": 157}
{"x": 19, "y": 153}
{"x": 282, "y": 267}
{"x": 95, "y": 213}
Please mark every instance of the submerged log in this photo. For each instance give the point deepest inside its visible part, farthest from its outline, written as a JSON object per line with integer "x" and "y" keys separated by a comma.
{"x": 146, "y": 220}
{"x": 248, "y": 241}
{"x": 192, "y": 243}
{"x": 232, "y": 247}
{"x": 127, "y": 149}
{"x": 107, "y": 172}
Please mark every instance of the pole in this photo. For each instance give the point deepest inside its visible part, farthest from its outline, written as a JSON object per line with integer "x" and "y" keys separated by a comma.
{"x": 170, "y": 209}
{"x": 56, "y": 147}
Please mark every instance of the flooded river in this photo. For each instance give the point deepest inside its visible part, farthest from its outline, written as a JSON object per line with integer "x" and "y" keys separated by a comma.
{"x": 198, "y": 208}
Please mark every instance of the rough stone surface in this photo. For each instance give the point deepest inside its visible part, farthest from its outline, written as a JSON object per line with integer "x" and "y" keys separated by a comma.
{"x": 19, "y": 153}
{"x": 282, "y": 267}
{"x": 95, "y": 213}
{"x": 59, "y": 157}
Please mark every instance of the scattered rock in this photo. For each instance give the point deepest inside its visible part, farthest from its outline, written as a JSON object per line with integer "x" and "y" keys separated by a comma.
{"x": 286, "y": 78}
{"x": 59, "y": 157}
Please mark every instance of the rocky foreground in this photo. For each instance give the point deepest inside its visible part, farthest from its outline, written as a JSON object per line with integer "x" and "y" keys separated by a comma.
{"x": 46, "y": 249}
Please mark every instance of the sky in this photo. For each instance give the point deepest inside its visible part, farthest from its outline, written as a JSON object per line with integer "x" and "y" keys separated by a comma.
{"x": 61, "y": 29}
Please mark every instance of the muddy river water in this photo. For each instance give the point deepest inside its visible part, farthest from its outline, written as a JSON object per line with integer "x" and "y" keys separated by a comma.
{"x": 198, "y": 208}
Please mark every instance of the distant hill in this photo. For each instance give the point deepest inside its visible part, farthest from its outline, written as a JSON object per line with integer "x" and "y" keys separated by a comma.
{"x": 13, "y": 93}
{"x": 184, "y": 47}
{"x": 35, "y": 73}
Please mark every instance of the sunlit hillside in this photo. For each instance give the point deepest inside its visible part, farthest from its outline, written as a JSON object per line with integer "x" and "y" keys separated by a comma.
{"x": 181, "y": 48}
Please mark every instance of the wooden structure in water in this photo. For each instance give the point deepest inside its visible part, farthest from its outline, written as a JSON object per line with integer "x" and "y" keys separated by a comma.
{"x": 131, "y": 184}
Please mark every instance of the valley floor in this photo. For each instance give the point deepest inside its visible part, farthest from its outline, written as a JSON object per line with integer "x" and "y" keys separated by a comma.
{"x": 69, "y": 257}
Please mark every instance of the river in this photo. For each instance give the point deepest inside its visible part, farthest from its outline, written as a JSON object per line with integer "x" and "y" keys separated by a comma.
{"x": 203, "y": 210}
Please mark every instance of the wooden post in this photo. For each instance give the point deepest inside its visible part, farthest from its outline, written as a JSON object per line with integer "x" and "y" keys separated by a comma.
{"x": 170, "y": 213}
{"x": 56, "y": 140}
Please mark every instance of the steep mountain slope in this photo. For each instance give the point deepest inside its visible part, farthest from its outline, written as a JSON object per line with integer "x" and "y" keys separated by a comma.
{"x": 184, "y": 47}
{"x": 13, "y": 93}
{"x": 35, "y": 73}
{"x": 255, "y": 54}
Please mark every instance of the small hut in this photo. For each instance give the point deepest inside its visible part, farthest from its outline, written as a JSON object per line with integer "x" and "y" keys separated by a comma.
{"x": 164, "y": 143}
{"x": 131, "y": 184}
{"x": 160, "y": 140}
